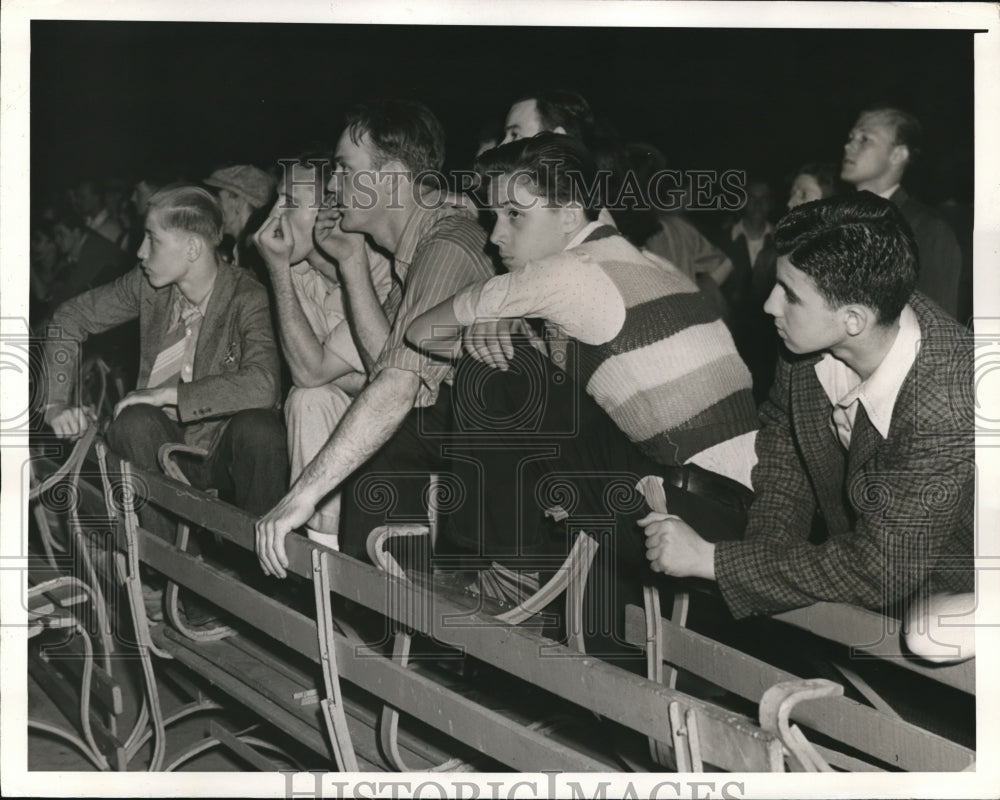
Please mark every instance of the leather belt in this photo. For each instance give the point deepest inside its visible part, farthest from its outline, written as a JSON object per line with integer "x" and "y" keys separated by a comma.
{"x": 705, "y": 483}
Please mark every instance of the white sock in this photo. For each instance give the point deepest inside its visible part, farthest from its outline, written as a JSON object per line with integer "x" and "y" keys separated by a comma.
{"x": 330, "y": 540}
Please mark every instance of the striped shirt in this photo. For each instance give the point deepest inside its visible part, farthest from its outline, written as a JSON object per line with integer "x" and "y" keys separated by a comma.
{"x": 322, "y": 302}
{"x": 653, "y": 354}
{"x": 440, "y": 252}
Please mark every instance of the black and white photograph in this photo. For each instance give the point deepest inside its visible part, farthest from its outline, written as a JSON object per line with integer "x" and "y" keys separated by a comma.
{"x": 595, "y": 398}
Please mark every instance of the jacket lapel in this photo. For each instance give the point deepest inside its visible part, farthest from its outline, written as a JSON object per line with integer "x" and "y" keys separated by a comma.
{"x": 822, "y": 452}
{"x": 210, "y": 335}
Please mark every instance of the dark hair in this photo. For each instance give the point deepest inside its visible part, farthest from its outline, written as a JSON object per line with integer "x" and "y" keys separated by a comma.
{"x": 908, "y": 130}
{"x": 399, "y": 129}
{"x": 824, "y": 173}
{"x": 190, "y": 209}
{"x": 560, "y": 167}
{"x": 69, "y": 218}
{"x": 562, "y": 108}
{"x": 858, "y": 248}
{"x": 641, "y": 220}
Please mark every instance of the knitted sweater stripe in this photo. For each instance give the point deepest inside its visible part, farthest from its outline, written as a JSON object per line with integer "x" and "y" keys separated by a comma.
{"x": 658, "y": 319}
{"x": 643, "y": 281}
{"x": 724, "y": 420}
{"x": 648, "y": 411}
{"x": 664, "y": 362}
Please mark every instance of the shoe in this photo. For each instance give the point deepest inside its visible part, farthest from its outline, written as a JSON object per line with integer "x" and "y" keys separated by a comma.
{"x": 198, "y": 613}
{"x": 152, "y": 601}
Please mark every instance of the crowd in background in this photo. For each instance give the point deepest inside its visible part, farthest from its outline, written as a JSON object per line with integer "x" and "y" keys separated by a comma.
{"x": 86, "y": 234}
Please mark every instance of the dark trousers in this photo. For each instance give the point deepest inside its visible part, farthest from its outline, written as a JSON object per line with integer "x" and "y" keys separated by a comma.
{"x": 392, "y": 487}
{"x": 538, "y": 440}
{"x": 248, "y": 465}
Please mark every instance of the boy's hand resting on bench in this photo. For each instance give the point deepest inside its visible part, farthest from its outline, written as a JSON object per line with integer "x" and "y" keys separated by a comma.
{"x": 292, "y": 512}
{"x": 674, "y": 548}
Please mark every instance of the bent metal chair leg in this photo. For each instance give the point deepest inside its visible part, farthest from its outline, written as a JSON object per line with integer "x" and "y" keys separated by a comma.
{"x": 333, "y": 704}
{"x": 165, "y": 456}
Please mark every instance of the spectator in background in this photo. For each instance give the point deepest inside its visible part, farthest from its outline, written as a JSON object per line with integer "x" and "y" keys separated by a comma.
{"x": 750, "y": 245}
{"x": 674, "y": 238}
{"x": 115, "y": 204}
{"x": 813, "y": 181}
{"x": 44, "y": 255}
{"x": 88, "y": 258}
{"x": 563, "y": 111}
{"x": 91, "y": 203}
{"x": 243, "y": 190}
{"x": 881, "y": 146}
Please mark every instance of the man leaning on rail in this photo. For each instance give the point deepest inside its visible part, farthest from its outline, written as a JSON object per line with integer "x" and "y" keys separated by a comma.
{"x": 869, "y": 425}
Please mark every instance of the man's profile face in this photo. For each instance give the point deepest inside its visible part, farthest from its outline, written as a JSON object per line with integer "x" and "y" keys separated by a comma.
{"x": 298, "y": 204}
{"x": 805, "y": 189}
{"x": 360, "y": 191}
{"x": 869, "y": 150}
{"x": 804, "y": 320}
{"x": 88, "y": 200}
{"x": 758, "y": 203}
{"x": 232, "y": 209}
{"x": 163, "y": 253}
{"x": 522, "y": 121}
{"x": 63, "y": 238}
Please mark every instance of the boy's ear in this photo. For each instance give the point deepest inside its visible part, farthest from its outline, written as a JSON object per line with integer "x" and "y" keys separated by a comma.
{"x": 571, "y": 217}
{"x": 194, "y": 248}
{"x": 857, "y": 319}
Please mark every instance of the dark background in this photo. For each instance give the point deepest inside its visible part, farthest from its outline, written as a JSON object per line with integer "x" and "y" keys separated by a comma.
{"x": 127, "y": 99}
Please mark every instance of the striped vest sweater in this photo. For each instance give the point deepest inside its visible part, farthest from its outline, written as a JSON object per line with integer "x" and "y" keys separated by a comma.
{"x": 671, "y": 378}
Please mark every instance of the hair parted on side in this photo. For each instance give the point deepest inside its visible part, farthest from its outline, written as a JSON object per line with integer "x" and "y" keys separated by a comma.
{"x": 824, "y": 173}
{"x": 191, "y": 209}
{"x": 857, "y": 248}
{"x": 563, "y": 108}
{"x": 402, "y": 130}
{"x": 909, "y": 131}
{"x": 559, "y": 167}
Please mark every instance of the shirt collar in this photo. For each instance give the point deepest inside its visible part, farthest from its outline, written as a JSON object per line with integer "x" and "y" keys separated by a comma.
{"x": 98, "y": 219}
{"x": 182, "y": 305}
{"x": 879, "y": 392}
{"x": 74, "y": 254}
{"x": 583, "y": 233}
{"x": 888, "y": 193}
{"x": 739, "y": 230}
{"x": 423, "y": 219}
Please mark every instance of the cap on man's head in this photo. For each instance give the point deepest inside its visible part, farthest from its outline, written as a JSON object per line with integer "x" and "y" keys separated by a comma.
{"x": 246, "y": 180}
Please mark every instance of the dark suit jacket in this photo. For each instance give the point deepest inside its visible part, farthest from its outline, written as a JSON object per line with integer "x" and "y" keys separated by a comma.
{"x": 236, "y": 361}
{"x": 99, "y": 262}
{"x": 746, "y": 290}
{"x": 940, "y": 255}
{"x": 898, "y": 511}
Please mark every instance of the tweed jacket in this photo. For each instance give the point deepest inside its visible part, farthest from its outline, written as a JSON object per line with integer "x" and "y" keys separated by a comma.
{"x": 236, "y": 361}
{"x": 898, "y": 511}
{"x": 938, "y": 251}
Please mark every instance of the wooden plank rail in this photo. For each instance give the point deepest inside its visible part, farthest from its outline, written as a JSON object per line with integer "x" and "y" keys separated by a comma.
{"x": 865, "y": 632}
{"x": 729, "y": 741}
{"x": 893, "y": 741}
